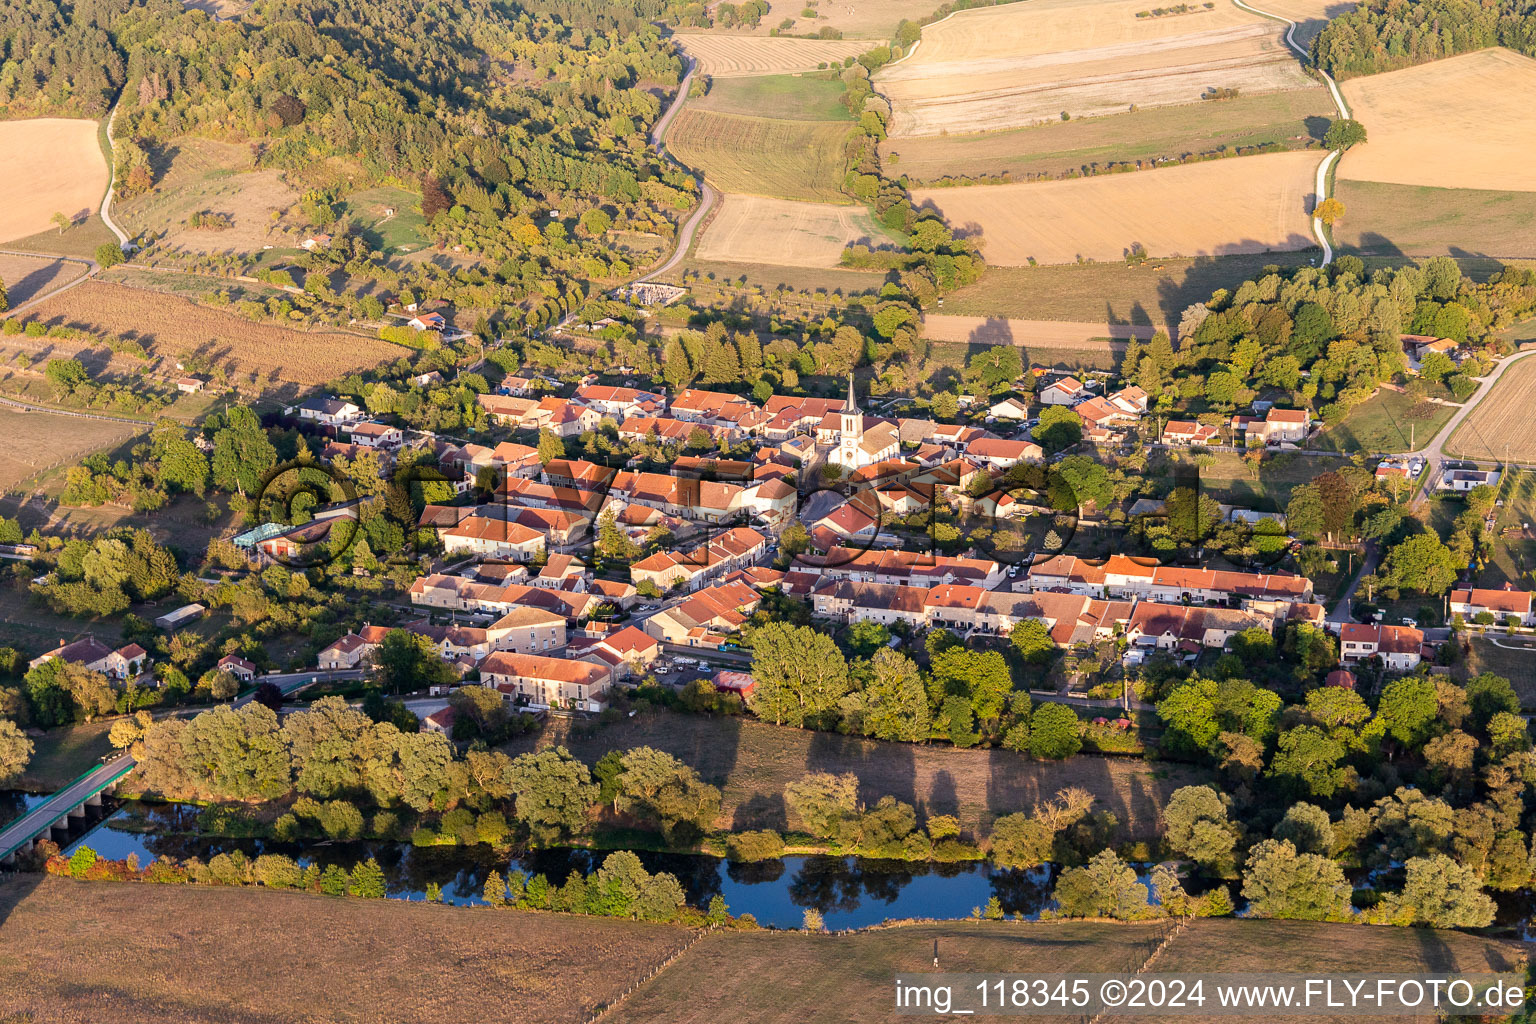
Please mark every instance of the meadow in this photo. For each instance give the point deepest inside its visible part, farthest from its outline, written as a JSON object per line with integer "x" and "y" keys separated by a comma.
{"x": 754, "y": 229}
{"x": 780, "y": 159}
{"x": 400, "y": 231}
{"x": 39, "y": 441}
{"x": 722, "y": 56}
{"x": 1419, "y": 220}
{"x": 53, "y": 165}
{"x": 27, "y": 277}
{"x": 1382, "y": 424}
{"x": 219, "y": 178}
{"x": 1249, "y": 205}
{"x": 799, "y": 97}
{"x": 1499, "y": 426}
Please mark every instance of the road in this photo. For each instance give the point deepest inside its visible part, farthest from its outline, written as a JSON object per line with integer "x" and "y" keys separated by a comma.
{"x": 91, "y": 270}
{"x": 106, "y": 200}
{"x": 1321, "y": 190}
{"x": 1340, "y": 611}
{"x": 707, "y": 194}
{"x": 60, "y": 803}
{"x": 1434, "y": 452}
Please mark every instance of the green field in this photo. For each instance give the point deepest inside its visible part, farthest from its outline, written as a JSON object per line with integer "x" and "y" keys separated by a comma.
{"x": 404, "y": 231}
{"x": 808, "y": 97}
{"x": 1294, "y": 119}
{"x": 1518, "y": 666}
{"x": 60, "y": 755}
{"x": 1382, "y": 424}
{"x": 1231, "y": 482}
{"x": 1416, "y": 220}
{"x": 762, "y": 156}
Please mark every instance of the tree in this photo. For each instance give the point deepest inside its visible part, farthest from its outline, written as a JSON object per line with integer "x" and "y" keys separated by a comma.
{"x": 1105, "y": 887}
{"x": 1440, "y": 893}
{"x": 323, "y": 743}
{"x": 1344, "y": 133}
{"x": 1308, "y": 828}
{"x": 1281, "y": 883}
{"x": 1329, "y": 211}
{"x": 367, "y": 881}
{"x": 237, "y": 755}
{"x": 5, "y": 298}
{"x": 1033, "y": 641}
{"x": 62, "y": 220}
{"x": 1304, "y": 512}
{"x": 407, "y": 662}
{"x": 1311, "y": 760}
{"x": 1408, "y": 710}
{"x": 242, "y": 454}
{"x": 1436, "y": 366}
{"x": 1422, "y": 563}
{"x": 893, "y": 703}
{"x": 109, "y": 254}
{"x": 1059, "y": 428}
{"x": 1195, "y": 820}
{"x": 800, "y": 674}
{"x": 554, "y": 792}
{"x": 66, "y": 375}
{"x": 15, "y": 751}
{"x": 823, "y": 802}
{"x": 657, "y": 786}
{"x": 1054, "y": 732}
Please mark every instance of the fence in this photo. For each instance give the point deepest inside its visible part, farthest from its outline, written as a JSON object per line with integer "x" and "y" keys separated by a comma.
{"x": 602, "y": 1011}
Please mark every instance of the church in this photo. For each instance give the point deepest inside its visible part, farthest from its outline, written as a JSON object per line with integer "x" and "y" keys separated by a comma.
{"x": 860, "y": 444}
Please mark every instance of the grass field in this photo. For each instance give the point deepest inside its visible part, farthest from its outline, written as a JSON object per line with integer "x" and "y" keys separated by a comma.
{"x": 1022, "y": 64}
{"x": 1382, "y": 424}
{"x": 728, "y": 277}
{"x": 753, "y": 762}
{"x": 762, "y": 156}
{"x": 398, "y": 232}
{"x": 1107, "y": 339}
{"x": 722, "y": 56}
{"x": 1430, "y": 124}
{"x": 1499, "y": 426}
{"x": 1418, "y": 220}
{"x": 100, "y": 951}
{"x": 168, "y": 327}
{"x": 27, "y": 277}
{"x": 216, "y": 178}
{"x": 1230, "y": 482}
{"x": 53, "y": 165}
{"x": 1293, "y": 118}
{"x": 61, "y": 755}
{"x": 38, "y": 441}
{"x": 1155, "y": 293}
{"x": 767, "y": 978}
{"x": 754, "y": 229}
{"x": 815, "y": 96}
{"x": 1249, "y": 205}
{"x": 1512, "y": 658}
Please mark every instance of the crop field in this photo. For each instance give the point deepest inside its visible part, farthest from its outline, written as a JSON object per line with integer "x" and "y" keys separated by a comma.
{"x": 812, "y": 96}
{"x": 52, "y": 165}
{"x": 753, "y": 761}
{"x": 810, "y": 979}
{"x": 1293, "y": 118}
{"x": 1031, "y": 334}
{"x": 167, "y": 326}
{"x": 1499, "y": 426}
{"x": 1419, "y": 220}
{"x": 1254, "y": 204}
{"x": 1023, "y": 64}
{"x": 725, "y": 56}
{"x": 37, "y": 441}
{"x": 801, "y": 160}
{"x": 752, "y": 229}
{"x": 27, "y": 277}
{"x": 1309, "y": 15}
{"x": 100, "y": 951}
{"x": 1434, "y": 124}
{"x": 855, "y": 19}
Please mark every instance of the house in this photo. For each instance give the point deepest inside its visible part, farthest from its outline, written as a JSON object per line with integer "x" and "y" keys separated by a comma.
{"x": 1010, "y": 409}
{"x": 1066, "y": 391}
{"x": 493, "y": 538}
{"x": 707, "y": 618}
{"x": 626, "y": 653}
{"x": 240, "y": 668}
{"x": 1130, "y": 400}
{"x": 180, "y": 616}
{"x": 440, "y": 721}
{"x": 422, "y": 380}
{"x": 376, "y": 435}
{"x": 733, "y": 549}
{"x": 507, "y": 410}
{"x": 189, "y": 385}
{"x": 329, "y": 411}
{"x": 313, "y": 242}
{"x": 547, "y": 682}
{"x": 344, "y": 653}
{"x": 1279, "y": 426}
{"x": 1501, "y": 604}
{"x": 1169, "y": 626}
{"x": 428, "y": 321}
{"x": 126, "y": 663}
{"x": 996, "y": 453}
{"x": 1186, "y": 432}
{"x": 1462, "y": 480}
{"x": 1340, "y": 677}
{"x": 527, "y": 630}
{"x": 1400, "y": 648}
{"x": 620, "y": 403}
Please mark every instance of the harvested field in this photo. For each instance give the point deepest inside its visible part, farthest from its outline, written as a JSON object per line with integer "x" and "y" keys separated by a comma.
{"x": 762, "y": 156}
{"x": 753, "y": 761}
{"x": 813, "y": 96}
{"x": 862, "y": 19}
{"x": 724, "y": 56}
{"x": 38, "y": 441}
{"x": 167, "y": 327}
{"x": 53, "y": 165}
{"x": 1309, "y": 15}
{"x": 1031, "y": 334}
{"x": 1023, "y": 64}
{"x": 101, "y": 951}
{"x": 27, "y": 277}
{"x": 1417, "y": 220}
{"x": 1499, "y": 426}
{"x": 1254, "y": 204}
{"x": 1294, "y": 119}
{"x": 1462, "y": 122}
{"x": 769, "y": 978}
{"x": 751, "y": 229}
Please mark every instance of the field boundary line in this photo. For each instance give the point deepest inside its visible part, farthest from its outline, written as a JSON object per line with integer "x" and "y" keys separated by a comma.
{"x": 604, "y": 1009}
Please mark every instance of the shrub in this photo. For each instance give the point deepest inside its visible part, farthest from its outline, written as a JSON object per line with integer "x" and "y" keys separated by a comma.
{"x": 276, "y": 871}
{"x": 753, "y": 846}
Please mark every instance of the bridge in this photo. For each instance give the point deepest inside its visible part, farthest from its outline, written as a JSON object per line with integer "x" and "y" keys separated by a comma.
{"x": 19, "y": 837}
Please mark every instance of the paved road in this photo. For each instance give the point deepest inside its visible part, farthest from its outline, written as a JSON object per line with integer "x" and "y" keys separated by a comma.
{"x": 106, "y": 200}
{"x": 1434, "y": 452}
{"x": 1340, "y": 611}
{"x": 707, "y": 194}
{"x": 91, "y": 270}
{"x": 58, "y": 805}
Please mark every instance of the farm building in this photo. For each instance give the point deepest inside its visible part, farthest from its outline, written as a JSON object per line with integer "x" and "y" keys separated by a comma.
{"x": 180, "y": 617}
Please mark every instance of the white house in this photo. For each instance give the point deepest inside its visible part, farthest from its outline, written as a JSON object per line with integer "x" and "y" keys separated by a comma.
{"x": 1399, "y": 647}
{"x": 1461, "y": 480}
{"x": 1501, "y": 604}
{"x": 1066, "y": 391}
{"x": 1010, "y": 409}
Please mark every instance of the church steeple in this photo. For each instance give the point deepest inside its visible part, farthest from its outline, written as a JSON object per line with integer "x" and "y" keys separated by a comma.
{"x": 850, "y": 405}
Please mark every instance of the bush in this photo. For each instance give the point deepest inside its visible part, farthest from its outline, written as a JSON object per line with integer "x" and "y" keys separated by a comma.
{"x": 276, "y": 871}
{"x": 753, "y": 846}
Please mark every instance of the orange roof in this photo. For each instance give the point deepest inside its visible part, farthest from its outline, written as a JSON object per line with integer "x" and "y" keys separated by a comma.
{"x": 534, "y": 666}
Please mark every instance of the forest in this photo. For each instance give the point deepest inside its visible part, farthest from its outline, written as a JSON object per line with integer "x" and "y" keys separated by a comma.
{"x": 1385, "y": 35}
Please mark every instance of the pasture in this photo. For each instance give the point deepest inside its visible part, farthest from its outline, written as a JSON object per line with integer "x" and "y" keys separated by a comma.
{"x": 1293, "y": 118}
{"x": 262, "y": 354}
{"x": 390, "y": 215}
{"x": 53, "y": 165}
{"x": 97, "y": 951}
{"x": 752, "y": 229}
{"x": 1462, "y": 122}
{"x": 39, "y": 441}
{"x": 1419, "y": 220}
{"x": 27, "y": 277}
{"x": 801, "y": 160}
{"x": 219, "y": 178}
{"x": 1023, "y": 64}
{"x": 723, "y": 56}
{"x": 1031, "y": 335}
{"x": 1383, "y": 423}
{"x": 1247, "y": 205}
{"x": 1499, "y": 426}
{"x": 1514, "y": 658}
{"x": 800, "y": 97}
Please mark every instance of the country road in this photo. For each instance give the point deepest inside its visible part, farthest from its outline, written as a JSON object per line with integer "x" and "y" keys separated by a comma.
{"x": 1434, "y": 451}
{"x": 707, "y": 194}
{"x": 106, "y": 200}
